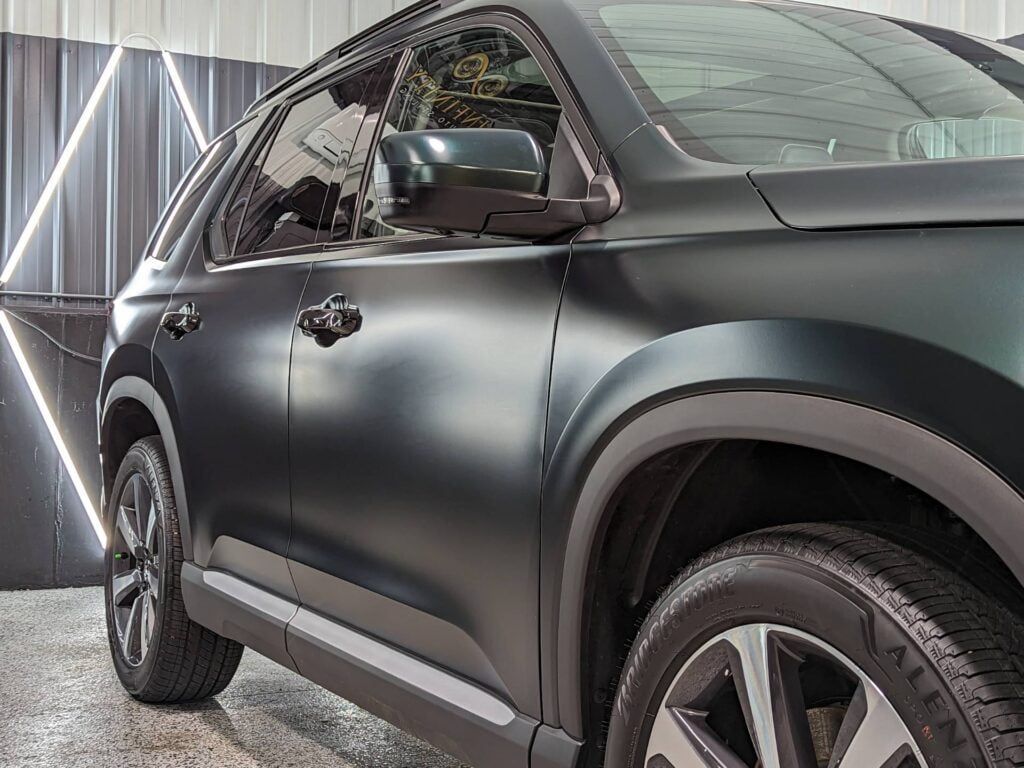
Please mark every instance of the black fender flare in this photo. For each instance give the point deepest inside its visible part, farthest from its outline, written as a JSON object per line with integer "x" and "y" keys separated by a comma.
{"x": 135, "y": 388}
{"x": 799, "y": 382}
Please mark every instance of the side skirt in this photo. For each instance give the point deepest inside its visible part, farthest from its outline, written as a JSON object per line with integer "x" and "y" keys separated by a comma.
{"x": 454, "y": 715}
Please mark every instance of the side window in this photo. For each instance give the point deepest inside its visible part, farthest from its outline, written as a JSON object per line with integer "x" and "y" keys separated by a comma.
{"x": 185, "y": 201}
{"x": 477, "y": 78}
{"x": 282, "y": 197}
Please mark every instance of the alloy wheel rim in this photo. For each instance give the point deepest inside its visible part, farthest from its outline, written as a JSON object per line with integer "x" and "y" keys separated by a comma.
{"x": 135, "y": 575}
{"x": 775, "y": 697}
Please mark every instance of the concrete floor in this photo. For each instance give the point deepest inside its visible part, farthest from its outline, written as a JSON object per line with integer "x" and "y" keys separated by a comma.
{"x": 61, "y": 705}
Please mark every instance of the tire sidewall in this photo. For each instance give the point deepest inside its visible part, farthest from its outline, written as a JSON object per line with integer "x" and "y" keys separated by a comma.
{"x": 775, "y": 589}
{"x": 137, "y": 460}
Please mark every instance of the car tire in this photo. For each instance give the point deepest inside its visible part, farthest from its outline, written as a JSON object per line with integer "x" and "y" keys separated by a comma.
{"x": 160, "y": 655}
{"x": 842, "y": 631}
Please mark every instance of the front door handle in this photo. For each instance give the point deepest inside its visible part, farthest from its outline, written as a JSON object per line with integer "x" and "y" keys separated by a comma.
{"x": 331, "y": 321}
{"x": 185, "y": 320}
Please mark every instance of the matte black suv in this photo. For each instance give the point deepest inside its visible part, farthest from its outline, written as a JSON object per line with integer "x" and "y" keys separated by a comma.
{"x": 595, "y": 382}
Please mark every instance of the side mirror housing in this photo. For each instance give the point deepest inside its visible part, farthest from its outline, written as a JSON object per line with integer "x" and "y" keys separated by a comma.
{"x": 476, "y": 181}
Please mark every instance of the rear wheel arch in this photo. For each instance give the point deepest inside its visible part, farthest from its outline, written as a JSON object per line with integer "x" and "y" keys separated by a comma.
{"x": 132, "y": 409}
{"x": 920, "y": 458}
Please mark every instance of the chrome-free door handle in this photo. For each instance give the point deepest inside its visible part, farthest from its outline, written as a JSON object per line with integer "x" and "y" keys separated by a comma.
{"x": 331, "y": 321}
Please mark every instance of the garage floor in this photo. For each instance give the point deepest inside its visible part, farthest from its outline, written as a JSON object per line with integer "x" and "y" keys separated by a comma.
{"x": 61, "y": 705}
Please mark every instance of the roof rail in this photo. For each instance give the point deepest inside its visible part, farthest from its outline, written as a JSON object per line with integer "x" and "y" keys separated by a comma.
{"x": 339, "y": 50}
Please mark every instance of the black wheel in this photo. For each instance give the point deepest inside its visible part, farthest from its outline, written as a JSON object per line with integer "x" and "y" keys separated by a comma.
{"x": 822, "y": 647}
{"x": 160, "y": 654}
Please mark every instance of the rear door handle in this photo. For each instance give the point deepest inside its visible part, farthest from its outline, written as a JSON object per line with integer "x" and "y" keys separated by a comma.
{"x": 331, "y": 321}
{"x": 185, "y": 320}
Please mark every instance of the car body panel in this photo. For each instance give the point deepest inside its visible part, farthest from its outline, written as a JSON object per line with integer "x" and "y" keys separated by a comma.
{"x": 869, "y": 195}
{"x": 432, "y": 486}
{"x": 416, "y": 450}
{"x": 236, "y": 466}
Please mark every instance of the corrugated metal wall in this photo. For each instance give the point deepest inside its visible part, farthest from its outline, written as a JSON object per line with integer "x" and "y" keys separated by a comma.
{"x": 129, "y": 160}
{"x": 283, "y": 32}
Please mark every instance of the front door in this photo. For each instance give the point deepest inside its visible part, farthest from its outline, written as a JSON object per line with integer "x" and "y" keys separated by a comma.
{"x": 416, "y": 442}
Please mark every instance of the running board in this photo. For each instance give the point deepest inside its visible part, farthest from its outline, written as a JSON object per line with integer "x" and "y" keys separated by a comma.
{"x": 454, "y": 715}
{"x": 237, "y": 609}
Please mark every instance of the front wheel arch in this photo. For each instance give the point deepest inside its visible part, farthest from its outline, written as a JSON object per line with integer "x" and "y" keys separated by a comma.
{"x": 929, "y": 462}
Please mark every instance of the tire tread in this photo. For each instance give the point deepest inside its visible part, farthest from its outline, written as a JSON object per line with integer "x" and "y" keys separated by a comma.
{"x": 192, "y": 662}
{"x": 957, "y": 607}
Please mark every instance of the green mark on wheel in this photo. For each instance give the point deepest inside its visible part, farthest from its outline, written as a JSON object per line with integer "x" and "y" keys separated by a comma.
{"x": 120, "y": 555}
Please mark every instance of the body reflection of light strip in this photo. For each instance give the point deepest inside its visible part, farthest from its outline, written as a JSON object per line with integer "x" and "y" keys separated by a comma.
{"x": 196, "y": 175}
{"x": 76, "y": 136}
{"x": 51, "y": 426}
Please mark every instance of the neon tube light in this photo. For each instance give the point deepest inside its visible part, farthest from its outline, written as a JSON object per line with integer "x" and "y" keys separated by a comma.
{"x": 62, "y": 164}
{"x": 183, "y": 101}
{"x": 51, "y": 426}
{"x": 76, "y": 136}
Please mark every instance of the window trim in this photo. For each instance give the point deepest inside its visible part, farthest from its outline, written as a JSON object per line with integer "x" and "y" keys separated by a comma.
{"x": 520, "y": 26}
{"x": 401, "y": 59}
{"x": 220, "y": 241}
{"x": 179, "y": 193}
{"x": 580, "y": 132}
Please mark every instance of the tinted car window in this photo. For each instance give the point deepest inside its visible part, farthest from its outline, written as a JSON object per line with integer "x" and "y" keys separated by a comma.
{"x": 185, "y": 201}
{"x": 772, "y": 82}
{"x": 478, "y": 78}
{"x": 293, "y": 183}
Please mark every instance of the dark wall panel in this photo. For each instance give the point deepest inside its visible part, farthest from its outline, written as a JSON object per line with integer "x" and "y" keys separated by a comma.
{"x": 47, "y": 537}
{"x": 129, "y": 161}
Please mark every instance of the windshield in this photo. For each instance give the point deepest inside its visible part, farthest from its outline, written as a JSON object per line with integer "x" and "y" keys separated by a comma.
{"x": 750, "y": 82}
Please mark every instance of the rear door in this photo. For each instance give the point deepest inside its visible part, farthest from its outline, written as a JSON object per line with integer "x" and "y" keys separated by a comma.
{"x": 226, "y": 381}
{"x": 416, "y": 443}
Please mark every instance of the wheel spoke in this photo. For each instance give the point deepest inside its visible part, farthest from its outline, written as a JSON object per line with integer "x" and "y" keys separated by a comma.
{"x": 139, "y": 501}
{"x": 150, "y": 539}
{"x": 144, "y": 628}
{"x": 153, "y": 577}
{"x": 125, "y": 585}
{"x": 877, "y": 735}
{"x": 769, "y": 688}
{"x": 131, "y": 628}
{"x": 682, "y": 738}
{"x": 127, "y": 529}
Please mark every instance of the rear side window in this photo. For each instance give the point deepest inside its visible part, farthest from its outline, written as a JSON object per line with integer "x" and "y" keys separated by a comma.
{"x": 185, "y": 201}
{"x": 284, "y": 194}
{"x": 477, "y": 78}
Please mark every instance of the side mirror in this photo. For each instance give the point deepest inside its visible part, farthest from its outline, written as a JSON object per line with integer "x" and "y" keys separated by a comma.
{"x": 478, "y": 181}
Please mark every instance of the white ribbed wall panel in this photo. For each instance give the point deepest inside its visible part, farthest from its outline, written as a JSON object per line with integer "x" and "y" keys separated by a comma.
{"x": 282, "y": 32}
{"x": 291, "y": 32}
{"x": 994, "y": 19}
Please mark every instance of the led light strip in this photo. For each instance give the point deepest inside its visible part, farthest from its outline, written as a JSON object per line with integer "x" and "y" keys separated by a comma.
{"x": 183, "y": 101}
{"x": 32, "y": 225}
{"x": 51, "y": 426}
